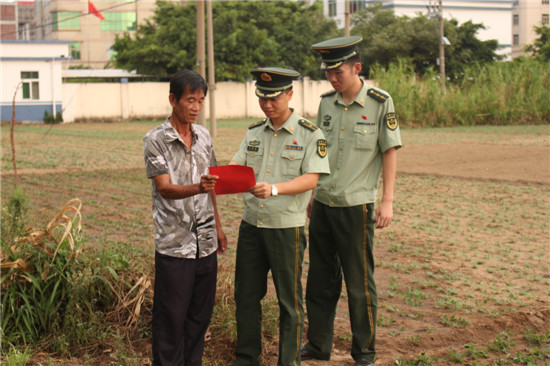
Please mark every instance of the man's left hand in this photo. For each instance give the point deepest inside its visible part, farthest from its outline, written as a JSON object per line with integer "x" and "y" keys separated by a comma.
{"x": 222, "y": 242}
{"x": 384, "y": 214}
{"x": 261, "y": 190}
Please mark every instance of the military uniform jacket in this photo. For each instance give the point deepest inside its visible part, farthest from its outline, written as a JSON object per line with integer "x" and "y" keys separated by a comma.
{"x": 357, "y": 135}
{"x": 297, "y": 148}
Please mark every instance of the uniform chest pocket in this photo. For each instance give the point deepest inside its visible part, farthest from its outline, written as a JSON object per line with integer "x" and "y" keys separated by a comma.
{"x": 326, "y": 126}
{"x": 291, "y": 162}
{"x": 254, "y": 157}
{"x": 365, "y": 137}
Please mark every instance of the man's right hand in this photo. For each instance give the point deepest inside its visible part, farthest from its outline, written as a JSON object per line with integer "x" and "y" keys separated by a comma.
{"x": 208, "y": 183}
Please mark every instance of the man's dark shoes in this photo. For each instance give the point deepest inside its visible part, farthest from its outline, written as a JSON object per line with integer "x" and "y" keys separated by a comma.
{"x": 306, "y": 354}
{"x": 363, "y": 362}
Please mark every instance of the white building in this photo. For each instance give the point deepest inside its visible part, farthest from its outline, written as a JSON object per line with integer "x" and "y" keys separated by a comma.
{"x": 31, "y": 70}
{"x": 527, "y": 15}
{"x": 495, "y": 15}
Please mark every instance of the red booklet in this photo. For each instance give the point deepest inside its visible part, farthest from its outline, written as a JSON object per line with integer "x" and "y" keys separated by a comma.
{"x": 233, "y": 178}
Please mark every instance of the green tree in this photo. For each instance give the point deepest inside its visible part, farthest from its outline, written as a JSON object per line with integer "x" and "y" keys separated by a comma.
{"x": 247, "y": 34}
{"x": 466, "y": 49}
{"x": 388, "y": 37}
{"x": 540, "y": 49}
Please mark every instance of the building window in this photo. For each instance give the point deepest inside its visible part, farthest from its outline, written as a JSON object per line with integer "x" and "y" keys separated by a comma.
{"x": 516, "y": 19}
{"x": 516, "y": 39}
{"x": 331, "y": 8}
{"x": 356, "y": 5}
{"x": 65, "y": 20}
{"x": 545, "y": 18}
{"x": 118, "y": 21}
{"x": 30, "y": 84}
{"x": 74, "y": 50}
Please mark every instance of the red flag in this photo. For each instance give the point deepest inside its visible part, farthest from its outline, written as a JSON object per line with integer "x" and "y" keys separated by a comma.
{"x": 93, "y": 10}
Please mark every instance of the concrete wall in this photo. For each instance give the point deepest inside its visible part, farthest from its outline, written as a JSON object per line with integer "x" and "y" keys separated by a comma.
{"x": 147, "y": 100}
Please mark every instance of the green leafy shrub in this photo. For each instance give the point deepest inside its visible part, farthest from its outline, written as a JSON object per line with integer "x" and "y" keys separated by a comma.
{"x": 50, "y": 119}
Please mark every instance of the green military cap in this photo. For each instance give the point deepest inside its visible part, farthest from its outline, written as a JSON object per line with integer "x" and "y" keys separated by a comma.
{"x": 334, "y": 52}
{"x": 273, "y": 81}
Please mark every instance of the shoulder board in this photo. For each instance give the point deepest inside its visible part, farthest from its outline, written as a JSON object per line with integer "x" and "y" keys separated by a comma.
{"x": 257, "y": 124}
{"x": 329, "y": 93}
{"x": 378, "y": 96}
{"x": 310, "y": 126}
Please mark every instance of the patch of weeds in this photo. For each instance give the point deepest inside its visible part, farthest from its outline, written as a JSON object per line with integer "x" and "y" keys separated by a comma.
{"x": 502, "y": 342}
{"x": 392, "y": 308}
{"x": 345, "y": 337}
{"x": 413, "y": 297}
{"x": 535, "y": 338}
{"x": 451, "y": 303}
{"x": 421, "y": 360}
{"x": 454, "y": 321}
{"x": 534, "y": 356}
{"x": 383, "y": 321}
{"x": 455, "y": 356}
{"x": 393, "y": 283}
{"x": 16, "y": 357}
{"x": 473, "y": 351}
{"x": 415, "y": 340}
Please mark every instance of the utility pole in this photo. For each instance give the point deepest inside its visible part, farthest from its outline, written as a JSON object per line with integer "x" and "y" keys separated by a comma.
{"x": 211, "y": 69}
{"x": 201, "y": 54}
{"x": 441, "y": 47}
{"x": 346, "y": 18}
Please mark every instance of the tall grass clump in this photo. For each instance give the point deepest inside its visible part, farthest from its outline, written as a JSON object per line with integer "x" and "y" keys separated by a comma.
{"x": 55, "y": 296}
{"x": 500, "y": 93}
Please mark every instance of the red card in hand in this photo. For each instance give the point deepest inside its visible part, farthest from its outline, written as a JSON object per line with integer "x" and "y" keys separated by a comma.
{"x": 233, "y": 178}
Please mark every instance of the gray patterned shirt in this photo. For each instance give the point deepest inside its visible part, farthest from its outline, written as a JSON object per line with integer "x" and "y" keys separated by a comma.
{"x": 184, "y": 228}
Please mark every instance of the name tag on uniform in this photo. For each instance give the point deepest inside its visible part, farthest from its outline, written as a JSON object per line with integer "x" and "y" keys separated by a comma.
{"x": 252, "y": 148}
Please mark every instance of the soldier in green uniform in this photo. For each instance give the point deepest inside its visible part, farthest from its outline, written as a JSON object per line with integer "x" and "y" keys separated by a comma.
{"x": 362, "y": 133}
{"x": 287, "y": 153}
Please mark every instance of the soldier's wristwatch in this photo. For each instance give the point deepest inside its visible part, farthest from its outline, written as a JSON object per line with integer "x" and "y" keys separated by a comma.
{"x": 274, "y": 190}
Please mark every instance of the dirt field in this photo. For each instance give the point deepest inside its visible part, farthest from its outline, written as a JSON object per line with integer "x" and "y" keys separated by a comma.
{"x": 463, "y": 273}
{"x": 419, "y": 328}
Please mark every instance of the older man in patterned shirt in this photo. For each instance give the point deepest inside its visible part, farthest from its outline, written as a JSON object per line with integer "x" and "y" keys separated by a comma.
{"x": 187, "y": 227}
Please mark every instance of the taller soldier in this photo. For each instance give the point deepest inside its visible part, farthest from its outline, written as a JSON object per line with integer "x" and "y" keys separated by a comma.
{"x": 362, "y": 133}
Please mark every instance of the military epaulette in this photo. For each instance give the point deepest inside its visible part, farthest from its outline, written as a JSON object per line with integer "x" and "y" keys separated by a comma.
{"x": 378, "y": 96}
{"x": 329, "y": 93}
{"x": 257, "y": 124}
{"x": 310, "y": 126}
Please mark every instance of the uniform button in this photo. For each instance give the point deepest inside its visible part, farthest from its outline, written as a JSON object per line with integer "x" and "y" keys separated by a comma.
{"x": 345, "y": 109}
{"x": 343, "y": 128}
{"x": 274, "y": 135}
{"x": 261, "y": 206}
{"x": 259, "y": 224}
{"x": 259, "y": 218}
{"x": 341, "y": 148}
{"x": 332, "y": 204}
{"x": 364, "y": 131}
{"x": 337, "y": 168}
{"x": 251, "y": 154}
{"x": 272, "y": 154}
{"x": 291, "y": 157}
{"x": 332, "y": 186}
{"x": 269, "y": 171}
